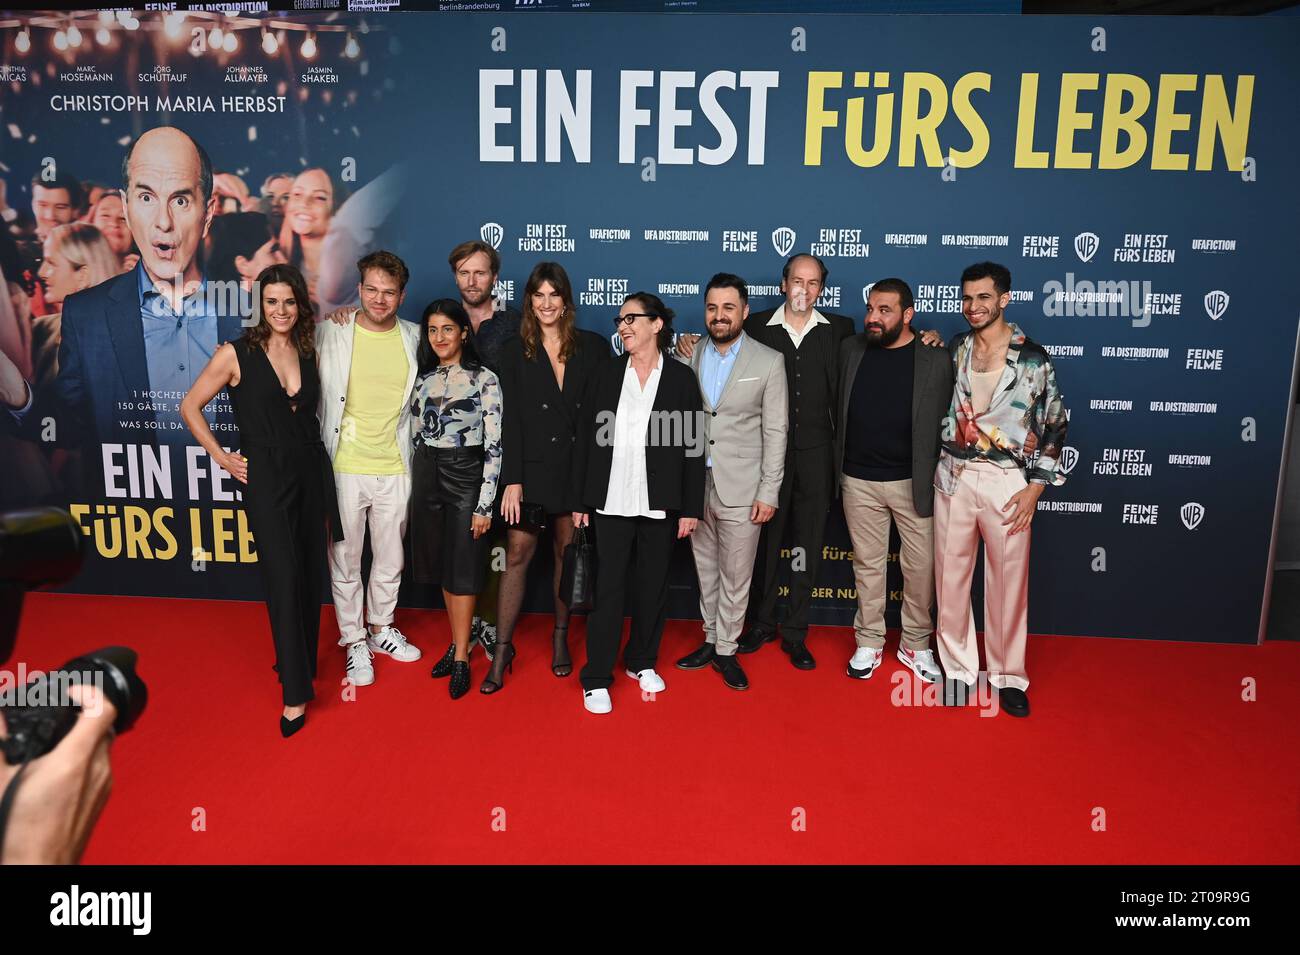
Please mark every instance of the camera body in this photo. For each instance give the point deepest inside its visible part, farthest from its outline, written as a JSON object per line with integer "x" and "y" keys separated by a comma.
{"x": 40, "y": 713}
{"x": 38, "y": 547}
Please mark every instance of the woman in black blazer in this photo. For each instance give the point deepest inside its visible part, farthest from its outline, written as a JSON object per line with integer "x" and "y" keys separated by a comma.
{"x": 640, "y": 469}
{"x": 546, "y": 376}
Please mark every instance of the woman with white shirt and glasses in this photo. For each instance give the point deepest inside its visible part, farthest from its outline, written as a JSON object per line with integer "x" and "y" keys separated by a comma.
{"x": 640, "y": 468}
{"x": 456, "y": 419}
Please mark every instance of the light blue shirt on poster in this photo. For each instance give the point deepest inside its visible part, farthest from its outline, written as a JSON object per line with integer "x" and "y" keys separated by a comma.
{"x": 715, "y": 369}
{"x": 176, "y": 349}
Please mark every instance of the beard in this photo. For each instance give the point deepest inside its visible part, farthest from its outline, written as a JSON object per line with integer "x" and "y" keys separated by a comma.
{"x": 722, "y": 336}
{"x": 883, "y": 338}
{"x": 475, "y": 299}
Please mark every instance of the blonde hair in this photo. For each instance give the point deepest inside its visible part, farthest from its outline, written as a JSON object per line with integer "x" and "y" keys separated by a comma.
{"x": 86, "y": 248}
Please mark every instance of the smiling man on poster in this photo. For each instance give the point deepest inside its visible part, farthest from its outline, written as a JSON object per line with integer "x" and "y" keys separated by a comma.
{"x": 132, "y": 346}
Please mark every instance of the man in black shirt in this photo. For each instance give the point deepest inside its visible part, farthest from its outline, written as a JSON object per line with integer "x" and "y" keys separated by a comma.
{"x": 475, "y": 266}
{"x": 893, "y": 395}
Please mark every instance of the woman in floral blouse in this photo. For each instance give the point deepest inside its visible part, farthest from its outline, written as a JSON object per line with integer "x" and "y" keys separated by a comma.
{"x": 456, "y": 419}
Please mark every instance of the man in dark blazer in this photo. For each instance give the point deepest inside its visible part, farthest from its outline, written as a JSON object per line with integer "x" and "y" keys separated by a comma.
{"x": 893, "y": 395}
{"x": 133, "y": 345}
{"x": 810, "y": 342}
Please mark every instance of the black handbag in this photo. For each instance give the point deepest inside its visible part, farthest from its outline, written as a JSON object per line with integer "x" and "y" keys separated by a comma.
{"x": 578, "y": 578}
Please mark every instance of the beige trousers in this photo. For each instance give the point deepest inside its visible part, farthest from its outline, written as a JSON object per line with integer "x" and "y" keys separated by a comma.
{"x": 961, "y": 520}
{"x": 868, "y": 507}
{"x": 724, "y": 544}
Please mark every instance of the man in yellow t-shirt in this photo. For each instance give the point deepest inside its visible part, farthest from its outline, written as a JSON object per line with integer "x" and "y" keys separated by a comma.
{"x": 367, "y": 370}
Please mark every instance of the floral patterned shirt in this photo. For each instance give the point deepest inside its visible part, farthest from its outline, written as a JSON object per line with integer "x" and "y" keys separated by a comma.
{"x": 1024, "y": 426}
{"x": 458, "y": 407}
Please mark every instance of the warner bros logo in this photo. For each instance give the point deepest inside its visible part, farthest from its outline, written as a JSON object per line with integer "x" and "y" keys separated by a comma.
{"x": 492, "y": 234}
{"x": 1086, "y": 245}
{"x": 783, "y": 240}
{"x": 1192, "y": 515}
{"x": 1069, "y": 458}
{"x": 1216, "y": 303}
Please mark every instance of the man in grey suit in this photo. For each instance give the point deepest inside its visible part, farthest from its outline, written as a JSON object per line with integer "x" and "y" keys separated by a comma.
{"x": 743, "y": 386}
{"x": 893, "y": 396}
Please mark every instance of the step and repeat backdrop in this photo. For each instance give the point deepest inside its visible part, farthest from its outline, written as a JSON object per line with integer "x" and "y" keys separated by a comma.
{"x": 1136, "y": 175}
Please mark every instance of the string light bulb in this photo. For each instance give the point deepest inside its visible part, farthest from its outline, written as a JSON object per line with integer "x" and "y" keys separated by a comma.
{"x": 172, "y": 23}
{"x": 102, "y": 36}
{"x": 74, "y": 36}
{"x": 231, "y": 42}
{"x": 60, "y": 41}
{"x": 23, "y": 41}
{"x": 216, "y": 38}
{"x": 270, "y": 45}
{"x": 309, "y": 46}
{"x": 351, "y": 49}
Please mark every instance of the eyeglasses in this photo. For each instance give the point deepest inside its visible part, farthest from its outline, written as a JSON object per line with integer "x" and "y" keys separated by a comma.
{"x": 630, "y": 317}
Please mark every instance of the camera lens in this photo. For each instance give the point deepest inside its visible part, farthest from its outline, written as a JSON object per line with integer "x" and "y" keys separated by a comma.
{"x": 122, "y": 685}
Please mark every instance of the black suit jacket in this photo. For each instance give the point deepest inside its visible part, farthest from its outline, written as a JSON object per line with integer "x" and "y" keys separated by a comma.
{"x": 932, "y": 381}
{"x": 102, "y": 367}
{"x": 539, "y": 433}
{"x": 674, "y": 470}
{"x": 822, "y": 340}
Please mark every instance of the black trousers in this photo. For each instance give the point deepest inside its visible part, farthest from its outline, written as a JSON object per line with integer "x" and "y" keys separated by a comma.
{"x": 802, "y": 507}
{"x": 643, "y": 547}
{"x": 287, "y": 511}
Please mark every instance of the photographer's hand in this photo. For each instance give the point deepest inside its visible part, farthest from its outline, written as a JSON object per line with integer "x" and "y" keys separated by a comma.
{"x": 62, "y": 793}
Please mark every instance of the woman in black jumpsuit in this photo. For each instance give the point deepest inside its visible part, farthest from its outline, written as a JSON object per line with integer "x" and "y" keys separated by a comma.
{"x": 289, "y": 484}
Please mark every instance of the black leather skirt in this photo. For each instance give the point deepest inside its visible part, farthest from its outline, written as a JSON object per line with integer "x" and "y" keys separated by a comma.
{"x": 445, "y": 485}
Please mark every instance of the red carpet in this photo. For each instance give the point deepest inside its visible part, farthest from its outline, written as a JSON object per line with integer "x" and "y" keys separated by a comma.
{"x": 1156, "y": 734}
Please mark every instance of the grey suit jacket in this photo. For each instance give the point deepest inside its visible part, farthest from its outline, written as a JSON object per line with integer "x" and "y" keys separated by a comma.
{"x": 746, "y": 432}
{"x": 932, "y": 383}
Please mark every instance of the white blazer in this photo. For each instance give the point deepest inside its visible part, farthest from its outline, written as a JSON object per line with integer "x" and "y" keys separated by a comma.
{"x": 334, "y": 358}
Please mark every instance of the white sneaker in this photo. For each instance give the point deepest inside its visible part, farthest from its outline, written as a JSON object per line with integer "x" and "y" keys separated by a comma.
{"x": 393, "y": 642}
{"x": 650, "y": 681}
{"x": 920, "y": 662}
{"x": 864, "y": 661}
{"x": 597, "y": 701}
{"x": 360, "y": 670}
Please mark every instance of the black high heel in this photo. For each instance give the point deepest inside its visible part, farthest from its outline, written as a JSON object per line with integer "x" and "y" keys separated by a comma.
{"x": 443, "y": 667}
{"x": 504, "y": 660}
{"x": 290, "y": 726}
{"x": 561, "y": 663}
{"x": 459, "y": 684}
